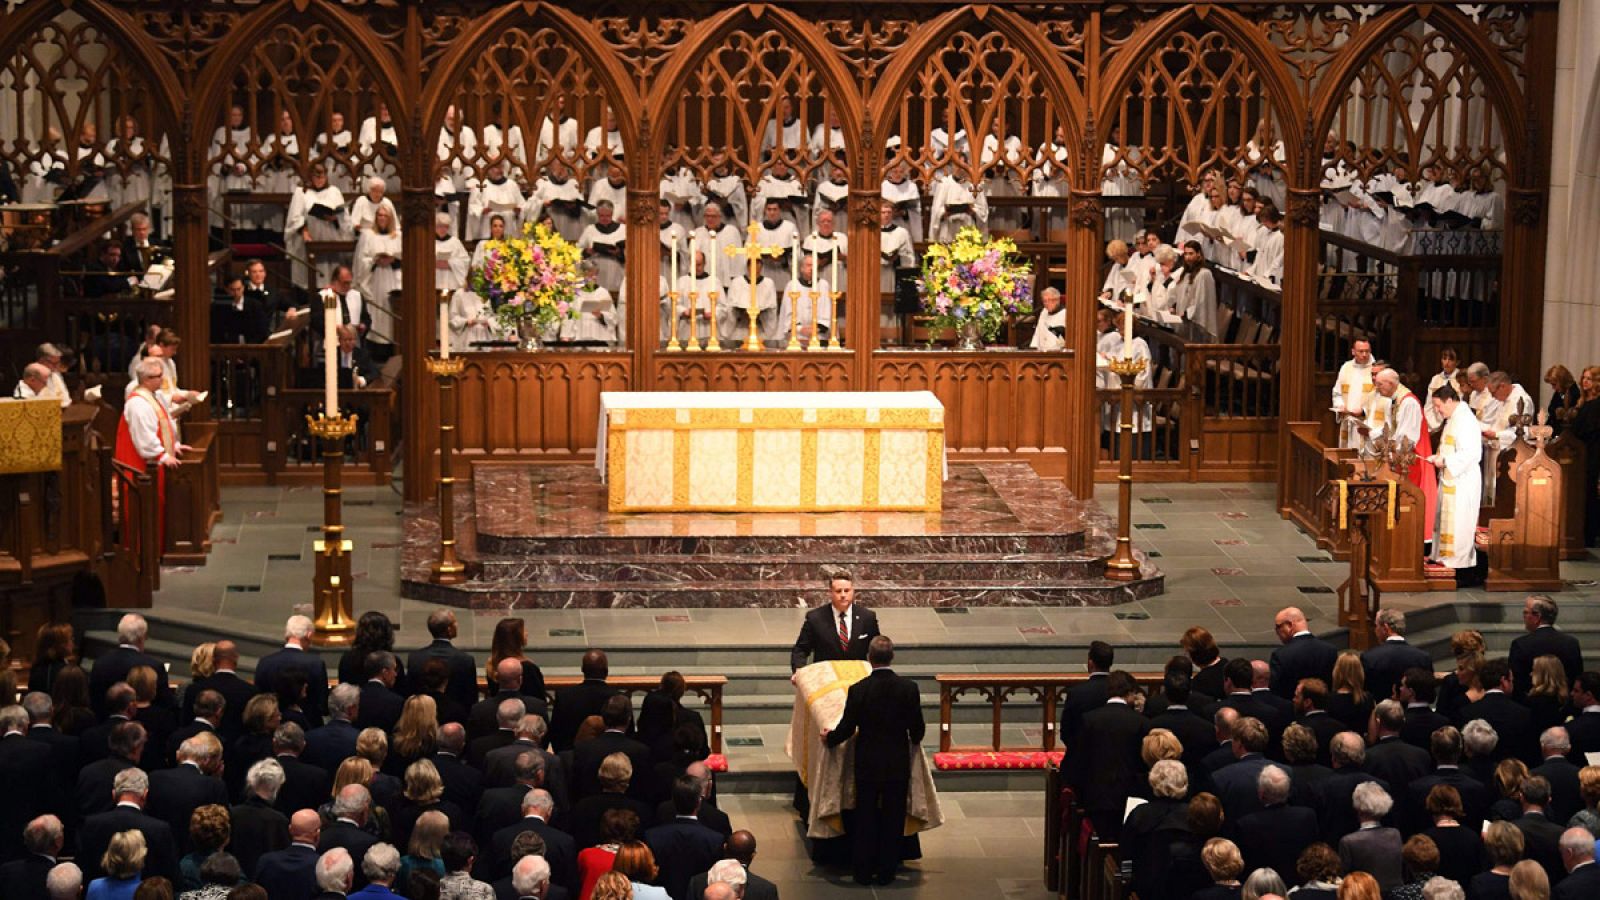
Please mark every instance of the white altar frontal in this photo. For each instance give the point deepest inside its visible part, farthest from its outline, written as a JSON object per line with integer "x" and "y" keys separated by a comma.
{"x": 776, "y": 452}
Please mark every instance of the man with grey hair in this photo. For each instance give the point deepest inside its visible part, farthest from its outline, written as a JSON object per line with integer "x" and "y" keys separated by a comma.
{"x": 531, "y": 878}
{"x": 1578, "y": 859}
{"x": 65, "y": 882}
{"x": 380, "y": 866}
{"x": 1274, "y": 835}
{"x": 115, "y": 664}
{"x": 295, "y": 656}
{"x": 1388, "y": 661}
{"x": 1441, "y": 888}
{"x": 1480, "y": 739}
{"x": 501, "y": 806}
{"x": 508, "y": 712}
{"x": 500, "y": 765}
{"x": 335, "y": 872}
{"x": 1050, "y": 333}
{"x": 451, "y": 262}
{"x": 463, "y": 684}
{"x": 729, "y": 872}
{"x": 129, "y": 790}
{"x": 559, "y": 848}
{"x": 124, "y": 743}
{"x": 1478, "y": 385}
{"x": 305, "y": 786}
{"x": 258, "y": 827}
{"x": 709, "y": 815}
{"x": 1543, "y": 639}
{"x": 1566, "y": 796}
{"x": 1390, "y": 759}
{"x": 335, "y": 741}
{"x": 25, "y": 877}
{"x": 351, "y": 808}
{"x": 26, "y": 771}
{"x": 1372, "y": 848}
{"x": 35, "y": 381}
{"x": 1347, "y": 753}
{"x": 177, "y": 792}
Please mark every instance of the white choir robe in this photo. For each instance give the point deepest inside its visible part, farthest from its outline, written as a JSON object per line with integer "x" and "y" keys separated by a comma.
{"x": 801, "y": 311}
{"x": 833, "y": 196}
{"x": 1160, "y": 299}
{"x": 137, "y": 183}
{"x": 824, "y": 141}
{"x": 1195, "y": 295}
{"x": 728, "y": 190}
{"x": 792, "y": 136}
{"x": 1266, "y": 170}
{"x": 701, "y": 240}
{"x": 489, "y": 199}
{"x": 694, "y": 302}
{"x": 1145, "y": 269}
{"x": 591, "y": 326}
{"x": 1118, "y": 279}
{"x": 894, "y": 252}
{"x": 1460, "y": 489}
{"x": 465, "y": 308}
{"x": 379, "y": 280}
{"x": 279, "y": 152}
{"x": 681, "y": 190}
{"x": 907, "y": 199}
{"x": 1003, "y": 220}
{"x": 456, "y": 151}
{"x": 1050, "y": 180}
{"x": 598, "y": 138}
{"x": 234, "y": 143}
{"x": 603, "y": 189}
{"x": 506, "y": 144}
{"x": 971, "y": 208}
{"x": 1120, "y": 180}
{"x": 554, "y": 139}
{"x": 375, "y": 139}
{"x": 792, "y": 201}
{"x": 299, "y": 217}
{"x": 733, "y": 318}
{"x": 363, "y": 210}
{"x": 1199, "y": 206}
{"x": 562, "y": 200}
{"x": 838, "y": 241}
{"x": 1267, "y": 267}
{"x": 1043, "y": 337}
{"x": 452, "y": 275}
{"x": 1439, "y": 380}
{"x": 608, "y": 248}
{"x": 1110, "y": 346}
{"x": 54, "y": 389}
{"x": 333, "y": 151}
{"x": 784, "y": 235}
{"x": 1353, "y": 391}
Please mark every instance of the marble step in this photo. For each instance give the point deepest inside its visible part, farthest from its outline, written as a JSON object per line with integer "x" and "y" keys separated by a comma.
{"x": 513, "y": 595}
{"x": 670, "y": 569}
{"x": 842, "y": 548}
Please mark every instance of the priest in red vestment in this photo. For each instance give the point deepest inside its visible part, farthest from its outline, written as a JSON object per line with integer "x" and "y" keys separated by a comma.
{"x": 147, "y": 434}
{"x": 1397, "y": 404}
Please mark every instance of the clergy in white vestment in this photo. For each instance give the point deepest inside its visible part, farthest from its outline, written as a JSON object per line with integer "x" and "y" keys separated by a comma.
{"x": 733, "y": 315}
{"x": 833, "y": 197}
{"x": 316, "y": 213}
{"x": 1458, "y": 460}
{"x": 280, "y": 155}
{"x": 596, "y": 313}
{"x": 1353, "y": 392}
{"x": 803, "y": 307}
{"x": 1109, "y": 345}
{"x": 1142, "y": 260}
{"x": 457, "y": 146}
{"x": 1509, "y": 400}
{"x": 894, "y": 247}
{"x": 1449, "y": 366}
{"x": 1159, "y": 298}
{"x": 497, "y": 194}
{"x": 450, "y": 257}
{"x": 1267, "y": 267}
{"x": 712, "y": 240}
{"x": 366, "y": 206}
{"x": 776, "y": 231}
{"x": 35, "y": 385}
{"x": 1395, "y": 406}
{"x": 49, "y": 356}
{"x": 691, "y": 318}
{"x": 377, "y": 275}
{"x": 604, "y": 139}
{"x": 230, "y": 153}
{"x": 558, "y": 197}
{"x": 789, "y": 136}
{"x": 827, "y": 241}
{"x": 957, "y": 204}
{"x": 1195, "y": 293}
{"x": 827, "y": 140}
{"x": 147, "y": 435}
{"x": 781, "y": 186}
{"x": 471, "y": 320}
{"x": 900, "y": 190}
{"x": 1050, "y": 334}
{"x": 606, "y": 242}
{"x": 380, "y": 146}
{"x": 726, "y": 189}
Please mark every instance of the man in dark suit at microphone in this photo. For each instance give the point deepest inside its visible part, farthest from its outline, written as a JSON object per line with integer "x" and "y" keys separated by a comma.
{"x": 884, "y": 712}
{"x": 841, "y": 630}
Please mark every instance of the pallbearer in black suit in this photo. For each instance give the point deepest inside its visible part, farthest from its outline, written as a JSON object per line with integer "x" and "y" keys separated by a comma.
{"x": 840, "y": 630}
{"x": 1539, "y": 617}
{"x": 1389, "y": 661}
{"x": 1303, "y": 655}
{"x": 887, "y": 712}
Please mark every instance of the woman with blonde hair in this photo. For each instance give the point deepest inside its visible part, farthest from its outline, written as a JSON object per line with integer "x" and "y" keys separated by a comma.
{"x": 423, "y": 850}
{"x": 1224, "y": 864}
{"x": 1349, "y": 702}
{"x": 372, "y": 745}
{"x": 613, "y": 885}
{"x": 260, "y": 719}
{"x": 416, "y": 735}
{"x": 160, "y": 720}
{"x": 358, "y": 770}
{"x": 635, "y": 860}
{"x": 1502, "y": 845}
{"x": 424, "y": 792}
{"x": 1509, "y": 774}
{"x": 122, "y": 864}
{"x": 1529, "y": 882}
{"x": 1547, "y": 698}
{"x": 1589, "y": 790}
{"x": 1461, "y": 687}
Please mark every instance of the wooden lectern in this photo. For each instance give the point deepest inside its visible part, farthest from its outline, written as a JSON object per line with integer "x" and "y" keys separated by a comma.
{"x": 1361, "y": 507}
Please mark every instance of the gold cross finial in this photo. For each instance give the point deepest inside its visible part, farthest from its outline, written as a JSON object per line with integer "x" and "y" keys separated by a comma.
{"x": 753, "y": 249}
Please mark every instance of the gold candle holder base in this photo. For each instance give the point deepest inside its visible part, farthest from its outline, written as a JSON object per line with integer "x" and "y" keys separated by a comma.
{"x": 713, "y": 342}
{"x": 816, "y": 341}
{"x": 1122, "y": 566}
{"x": 833, "y": 330}
{"x": 672, "y": 318}
{"x": 441, "y": 368}
{"x": 332, "y": 586}
{"x": 692, "y": 345}
{"x": 794, "y": 321}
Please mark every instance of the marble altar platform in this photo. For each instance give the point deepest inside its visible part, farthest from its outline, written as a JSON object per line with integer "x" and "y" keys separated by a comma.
{"x": 541, "y": 537}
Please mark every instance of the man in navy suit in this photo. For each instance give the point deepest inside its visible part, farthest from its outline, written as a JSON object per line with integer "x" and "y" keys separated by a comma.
{"x": 351, "y": 808}
{"x": 294, "y": 655}
{"x": 1303, "y": 655}
{"x": 887, "y": 710}
{"x": 685, "y": 846}
{"x": 841, "y": 630}
{"x": 1102, "y": 761}
{"x": 1539, "y": 618}
{"x": 379, "y": 704}
{"x": 582, "y": 700}
{"x": 1236, "y": 782}
{"x": 1583, "y": 873}
{"x": 463, "y": 683}
{"x": 115, "y": 664}
{"x": 130, "y": 787}
{"x": 335, "y": 741}
{"x": 1388, "y": 662}
{"x": 292, "y": 871}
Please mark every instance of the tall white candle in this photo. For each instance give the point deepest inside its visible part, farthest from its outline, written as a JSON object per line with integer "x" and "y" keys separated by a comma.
{"x": 1127, "y": 329}
{"x": 330, "y": 362}
{"x": 794, "y": 265}
{"x": 712, "y": 252}
{"x": 672, "y": 234}
{"x": 833, "y": 269}
{"x": 444, "y": 326}
{"x": 816, "y": 270}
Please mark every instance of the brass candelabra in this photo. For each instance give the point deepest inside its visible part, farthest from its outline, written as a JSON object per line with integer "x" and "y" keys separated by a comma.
{"x": 1122, "y": 566}
{"x": 332, "y": 591}
{"x": 449, "y": 569}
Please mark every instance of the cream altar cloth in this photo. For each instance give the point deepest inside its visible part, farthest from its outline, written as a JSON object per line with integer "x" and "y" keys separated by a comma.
{"x": 829, "y": 772}
{"x": 777, "y": 452}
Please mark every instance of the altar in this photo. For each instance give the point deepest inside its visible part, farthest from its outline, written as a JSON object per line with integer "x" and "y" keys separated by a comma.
{"x": 771, "y": 452}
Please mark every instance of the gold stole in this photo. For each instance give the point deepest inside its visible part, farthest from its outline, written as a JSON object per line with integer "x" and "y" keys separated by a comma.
{"x": 163, "y": 422}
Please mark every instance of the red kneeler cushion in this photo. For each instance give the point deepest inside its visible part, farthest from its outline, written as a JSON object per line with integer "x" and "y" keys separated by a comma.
{"x": 992, "y": 759}
{"x": 716, "y": 762}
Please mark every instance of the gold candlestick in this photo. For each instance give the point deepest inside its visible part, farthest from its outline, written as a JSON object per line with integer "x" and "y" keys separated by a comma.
{"x": 794, "y": 321}
{"x": 753, "y": 251}
{"x": 833, "y": 330}
{"x": 713, "y": 342}
{"x": 449, "y": 569}
{"x": 331, "y": 585}
{"x": 692, "y": 343}
{"x": 816, "y": 342}
{"x": 672, "y": 318}
{"x": 1122, "y": 566}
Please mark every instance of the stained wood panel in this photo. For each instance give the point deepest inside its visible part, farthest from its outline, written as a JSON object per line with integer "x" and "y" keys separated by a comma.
{"x": 536, "y": 403}
{"x": 753, "y": 372}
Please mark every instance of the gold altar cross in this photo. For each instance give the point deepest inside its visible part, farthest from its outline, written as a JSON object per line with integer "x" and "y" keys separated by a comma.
{"x": 753, "y": 250}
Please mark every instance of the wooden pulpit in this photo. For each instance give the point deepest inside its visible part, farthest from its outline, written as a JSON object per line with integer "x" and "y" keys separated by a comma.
{"x": 1361, "y": 507}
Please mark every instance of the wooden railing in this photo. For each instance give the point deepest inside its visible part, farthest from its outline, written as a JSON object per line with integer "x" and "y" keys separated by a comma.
{"x": 1047, "y": 689}
{"x": 707, "y": 687}
{"x": 1312, "y": 464}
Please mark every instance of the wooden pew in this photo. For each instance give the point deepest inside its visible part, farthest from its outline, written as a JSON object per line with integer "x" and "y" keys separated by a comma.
{"x": 1524, "y": 546}
{"x": 1569, "y": 453}
{"x": 707, "y": 687}
{"x": 193, "y": 499}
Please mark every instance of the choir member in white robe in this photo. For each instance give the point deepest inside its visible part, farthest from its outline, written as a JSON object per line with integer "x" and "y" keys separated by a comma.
{"x": 1050, "y": 176}
{"x": 1263, "y": 161}
{"x": 1142, "y": 262}
{"x": 1121, "y": 279}
{"x": 1120, "y": 178}
{"x": 712, "y": 239}
{"x": 612, "y": 189}
{"x": 894, "y": 252}
{"x": 92, "y": 166}
{"x": 1458, "y": 460}
{"x": 726, "y": 189}
{"x": 899, "y": 189}
{"x": 1499, "y": 431}
{"x": 780, "y": 185}
{"x": 1108, "y": 346}
{"x": 1449, "y": 366}
{"x": 280, "y": 166}
{"x": 365, "y": 209}
{"x": 1195, "y": 292}
{"x": 380, "y": 148}
{"x": 798, "y": 311}
{"x": 605, "y": 242}
{"x": 688, "y": 318}
{"x": 603, "y": 140}
{"x": 670, "y": 234}
{"x": 1353, "y": 392}
{"x": 1266, "y": 268}
{"x": 1212, "y": 216}
{"x": 471, "y": 320}
{"x": 506, "y": 144}
{"x": 827, "y": 241}
{"x": 558, "y": 134}
{"x": 450, "y": 257}
{"x": 332, "y": 149}
{"x": 497, "y": 194}
{"x": 132, "y": 174}
{"x": 316, "y": 213}
{"x": 557, "y": 195}
{"x": 597, "y": 310}
{"x": 832, "y": 196}
{"x": 679, "y": 188}
{"x": 733, "y": 316}
{"x": 776, "y": 231}
{"x": 790, "y": 138}
{"x": 47, "y": 172}
{"x": 35, "y": 385}
{"x": 827, "y": 142}
{"x": 1198, "y": 204}
{"x": 230, "y": 154}
{"x": 457, "y": 147}
{"x": 377, "y": 275}
{"x": 1159, "y": 298}
{"x": 1050, "y": 334}
{"x": 957, "y": 204}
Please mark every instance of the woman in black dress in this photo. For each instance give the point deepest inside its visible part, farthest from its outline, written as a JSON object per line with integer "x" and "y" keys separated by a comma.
{"x": 1350, "y": 703}
{"x": 1564, "y": 396}
{"x": 374, "y": 631}
{"x": 54, "y": 649}
{"x": 1586, "y": 428}
{"x": 509, "y": 642}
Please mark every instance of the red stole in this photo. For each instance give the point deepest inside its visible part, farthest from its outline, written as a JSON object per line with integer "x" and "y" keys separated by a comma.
{"x": 128, "y": 454}
{"x": 1422, "y": 473}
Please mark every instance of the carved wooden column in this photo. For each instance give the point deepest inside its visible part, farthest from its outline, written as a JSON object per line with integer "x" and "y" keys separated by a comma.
{"x": 1299, "y": 312}
{"x": 643, "y": 271}
{"x": 416, "y": 320}
{"x": 191, "y": 313}
{"x": 1522, "y": 285}
{"x": 1084, "y": 251}
{"x": 863, "y": 292}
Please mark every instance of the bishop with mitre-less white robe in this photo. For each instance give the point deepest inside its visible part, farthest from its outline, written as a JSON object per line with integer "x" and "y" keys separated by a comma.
{"x": 1460, "y": 487}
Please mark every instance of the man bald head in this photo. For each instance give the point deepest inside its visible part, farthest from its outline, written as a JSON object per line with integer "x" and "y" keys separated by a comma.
{"x": 1289, "y": 622}
{"x": 1260, "y": 674}
{"x": 225, "y": 655}
{"x": 742, "y": 846}
{"x": 508, "y": 675}
{"x": 720, "y": 890}
{"x": 305, "y": 827}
